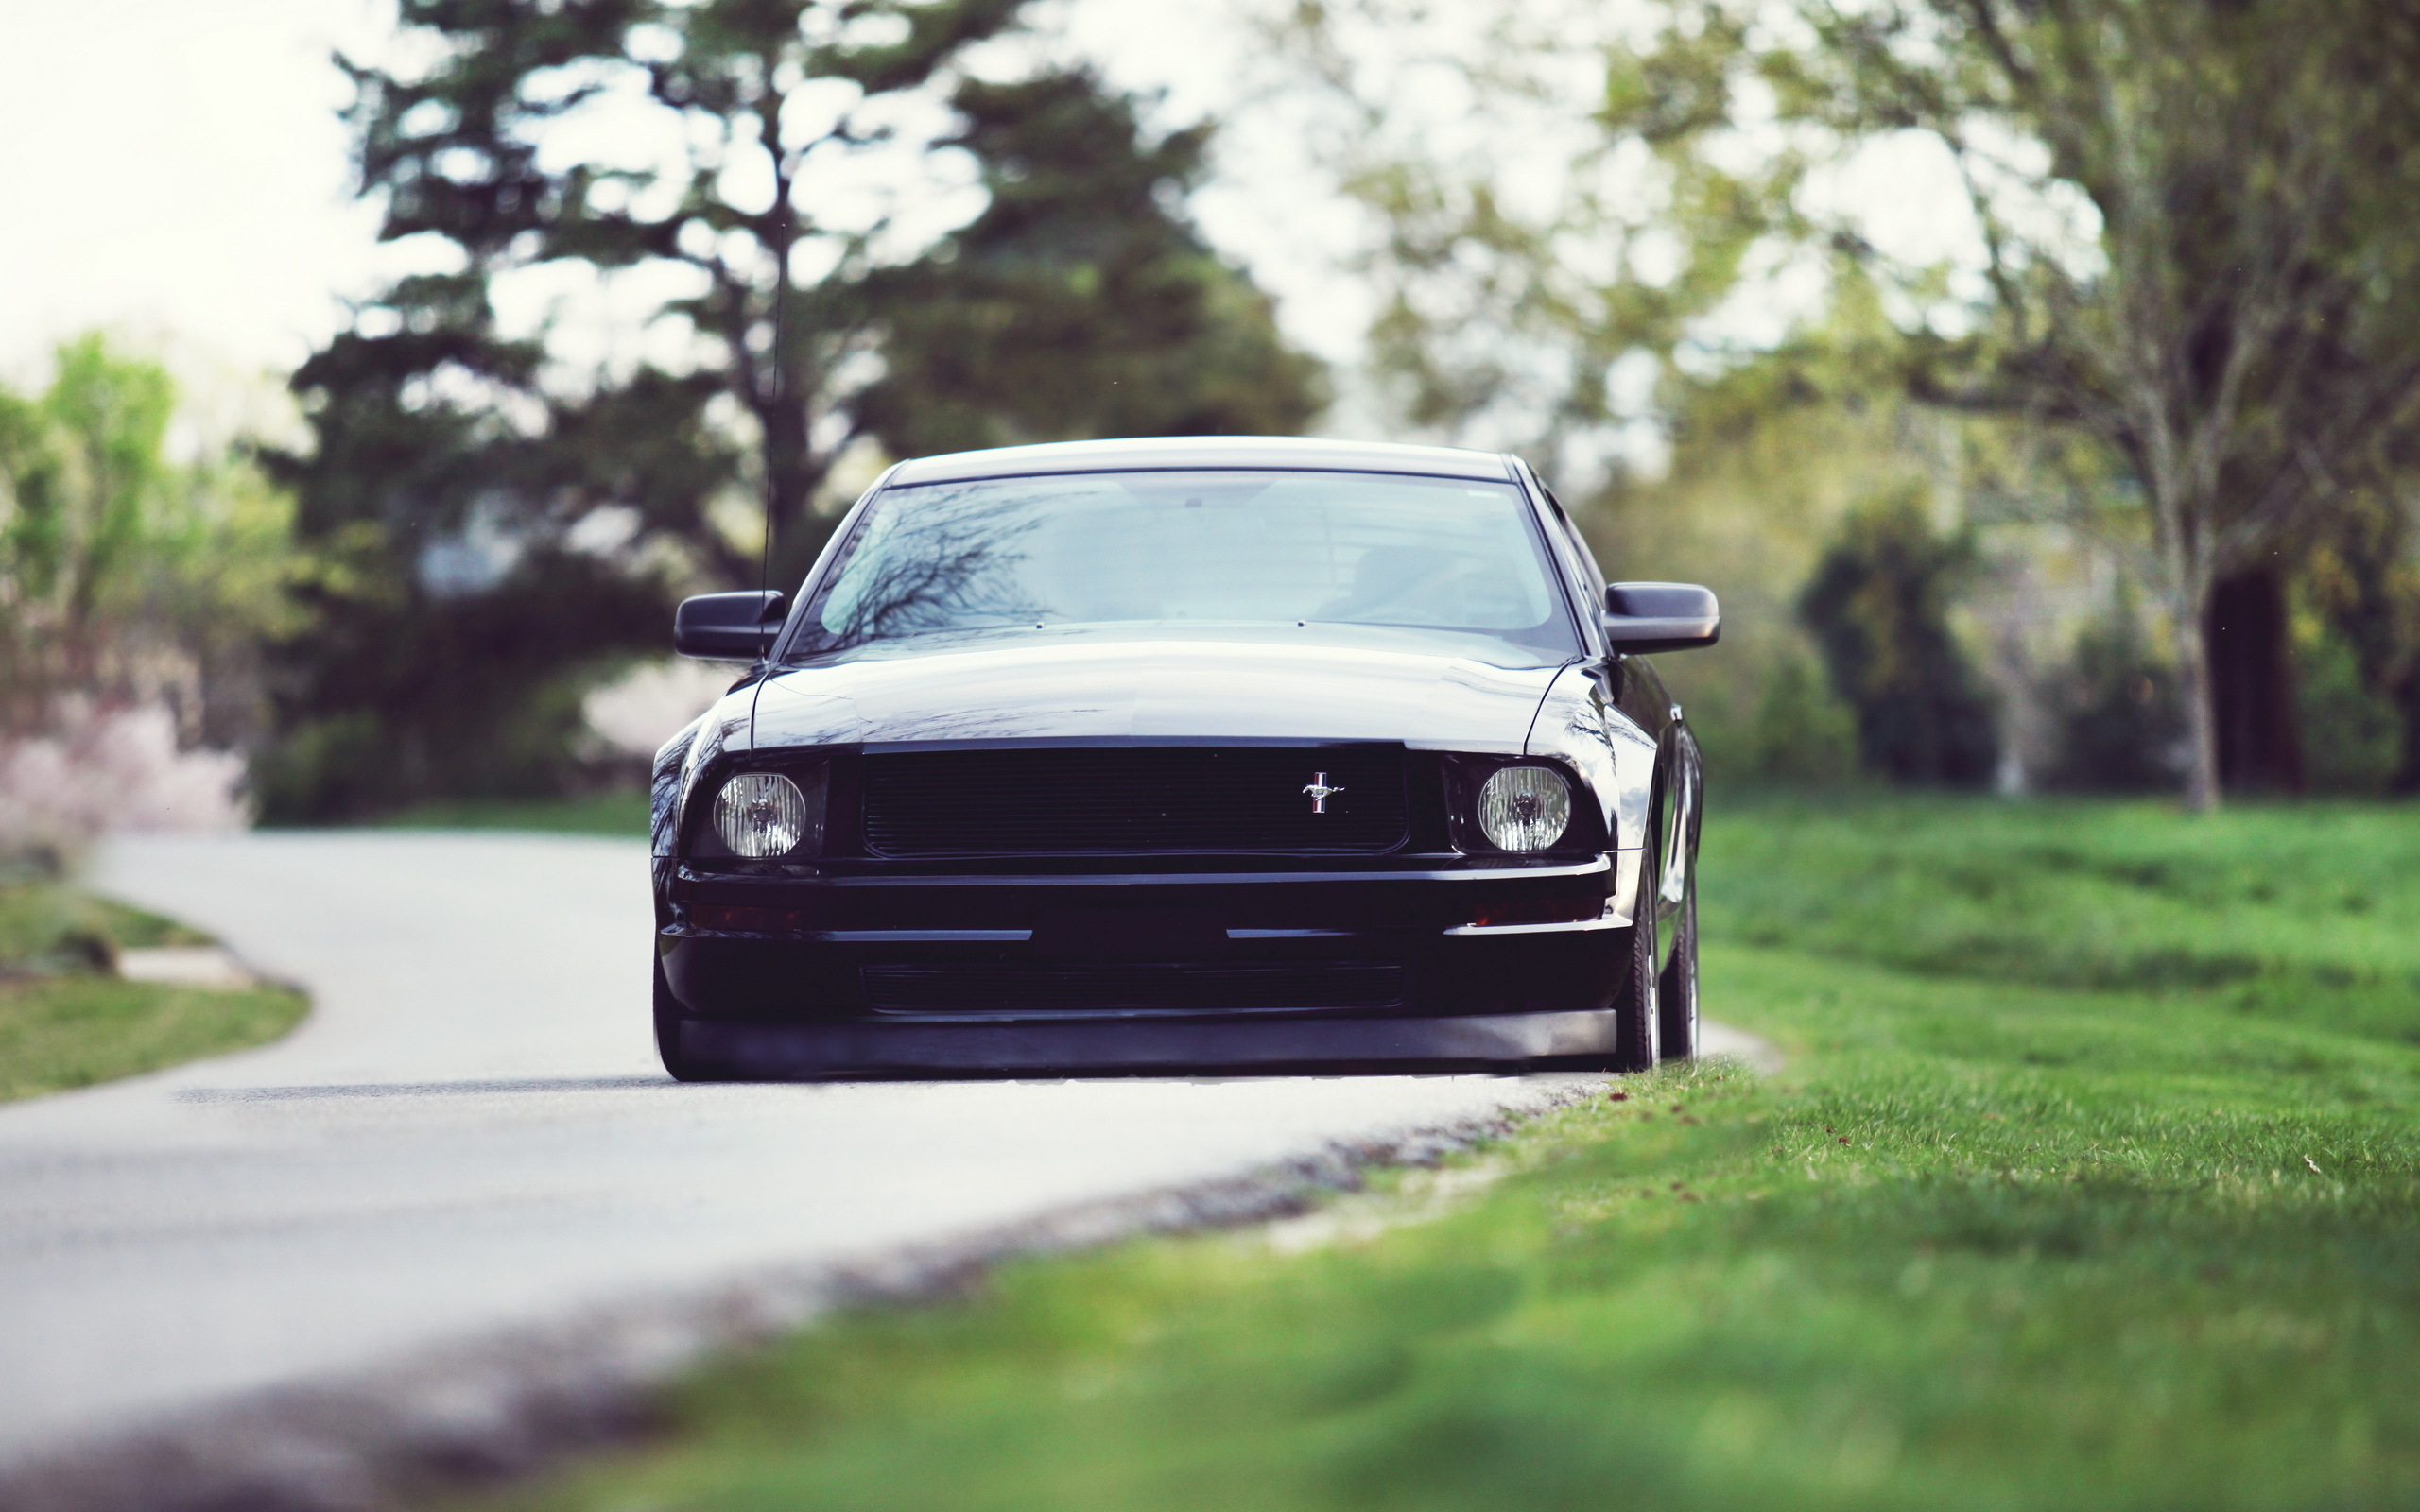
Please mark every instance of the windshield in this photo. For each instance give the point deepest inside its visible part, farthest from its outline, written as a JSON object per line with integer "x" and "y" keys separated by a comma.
{"x": 1192, "y": 549}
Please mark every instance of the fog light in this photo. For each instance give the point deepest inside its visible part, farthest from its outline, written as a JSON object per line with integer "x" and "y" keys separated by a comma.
{"x": 1525, "y": 808}
{"x": 760, "y": 815}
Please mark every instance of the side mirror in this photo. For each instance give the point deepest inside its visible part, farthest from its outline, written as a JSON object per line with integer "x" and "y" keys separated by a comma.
{"x": 727, "y": 626}
{"x": 1660, "y": 617}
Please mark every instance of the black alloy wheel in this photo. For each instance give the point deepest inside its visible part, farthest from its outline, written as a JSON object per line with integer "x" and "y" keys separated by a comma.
{"x": 1676, "y": 986}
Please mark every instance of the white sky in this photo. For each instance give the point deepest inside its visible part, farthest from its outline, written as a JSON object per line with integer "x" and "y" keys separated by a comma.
{"x": 175, "y": 170}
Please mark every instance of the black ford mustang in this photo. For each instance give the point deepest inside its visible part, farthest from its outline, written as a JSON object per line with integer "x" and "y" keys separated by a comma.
{"x": 1215, "y": 753}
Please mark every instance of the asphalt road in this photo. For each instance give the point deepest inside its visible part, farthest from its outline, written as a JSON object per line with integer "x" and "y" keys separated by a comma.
{"x": 471, "y": 1133}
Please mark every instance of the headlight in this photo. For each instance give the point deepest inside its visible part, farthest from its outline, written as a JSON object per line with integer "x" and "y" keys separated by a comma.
{"x": 760, "y": 815}
{"x": 1525, "y": 808}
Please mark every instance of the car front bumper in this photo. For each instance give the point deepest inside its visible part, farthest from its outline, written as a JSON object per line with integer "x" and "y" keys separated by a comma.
{"x": 1004, "y": 972}
{"x": 762, "y": 1051}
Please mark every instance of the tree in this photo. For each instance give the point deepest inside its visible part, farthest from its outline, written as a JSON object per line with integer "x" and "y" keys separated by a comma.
{"x": 465, "y": 595}
{"x": 1878, "y": 606}
{"x": 1526, "y": 312}
{"x": 2193, "y": 243}
{"x": 511, "y": 522}
{"x": 1080, "y": 303}
{"x": 125, "y": 575}
{"x": 2239, "y": 319}
{"x": 2363, "y": 575}
{"x": 749, "y": 98}
{"x": 2121, "y": 719}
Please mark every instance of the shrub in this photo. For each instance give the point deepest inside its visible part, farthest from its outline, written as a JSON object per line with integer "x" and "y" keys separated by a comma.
{"x": 1878, "y": 606}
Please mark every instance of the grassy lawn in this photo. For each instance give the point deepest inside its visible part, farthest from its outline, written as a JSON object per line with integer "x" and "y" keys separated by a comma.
{"x": 65, "y": 1021}
{"x": 2094, "y": 1182}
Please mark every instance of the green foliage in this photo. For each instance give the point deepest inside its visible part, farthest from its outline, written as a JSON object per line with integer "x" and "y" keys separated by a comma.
{"x": 2237, "y": 320}
{"x": 459, "y": 617}
{"x": 2196, "y": 261}
{"x": 2352, "y": 737}
{"x": 1080, "y": 303}
{"x": 1878, "y": 608}
{"x": 1800, "y": 734}
{"x": 460, "y": 151}
{"x": 502, "y": 531}
{"x": 1509, "y": 310}
{"x": 2122, "y": 720}
{"x": 1986, "y": 1243}
{"x": 122, "y": 574}
{"x": 2363, "y": 575}
{"x": 1769, "y": 458}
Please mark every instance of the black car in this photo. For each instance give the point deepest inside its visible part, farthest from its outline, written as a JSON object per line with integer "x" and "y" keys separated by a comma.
{"x": 1205, "y": 754}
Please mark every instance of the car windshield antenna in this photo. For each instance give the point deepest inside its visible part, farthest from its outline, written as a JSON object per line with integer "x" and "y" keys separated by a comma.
{"x": 781, "y": 396}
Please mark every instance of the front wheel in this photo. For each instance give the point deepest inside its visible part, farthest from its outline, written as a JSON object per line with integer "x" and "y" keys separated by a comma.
{"x": 1676, "y": 986}
{"x": 1637, "y": 1018}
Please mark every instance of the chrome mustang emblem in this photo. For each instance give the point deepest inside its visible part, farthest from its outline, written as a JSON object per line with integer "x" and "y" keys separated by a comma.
{"x": 1320, "y": 792}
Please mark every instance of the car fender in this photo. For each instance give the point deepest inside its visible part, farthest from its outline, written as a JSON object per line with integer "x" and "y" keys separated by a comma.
{"x": 722, "y": 728}
{"x": 663, "y": 786}
{"x": 1579, "y": 726}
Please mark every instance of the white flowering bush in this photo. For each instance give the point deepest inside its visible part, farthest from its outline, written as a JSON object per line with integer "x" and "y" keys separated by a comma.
{"x": 101, "y": 769}
{"x": 647, "y": 706}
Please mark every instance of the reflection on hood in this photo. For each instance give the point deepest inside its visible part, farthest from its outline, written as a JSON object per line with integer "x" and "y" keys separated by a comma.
{"x": 1447, "y": 692}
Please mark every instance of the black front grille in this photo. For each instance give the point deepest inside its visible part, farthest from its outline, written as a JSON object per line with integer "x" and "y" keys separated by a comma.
{"x": 1096, "y": 989}
{"x": 1135, "y": 801}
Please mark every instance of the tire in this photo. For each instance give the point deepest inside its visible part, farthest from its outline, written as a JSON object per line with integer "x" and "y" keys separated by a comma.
{"x": 667, "y": 1037}
{"x": 1637, "y": 1022}
{"x": 1676, "y": 986}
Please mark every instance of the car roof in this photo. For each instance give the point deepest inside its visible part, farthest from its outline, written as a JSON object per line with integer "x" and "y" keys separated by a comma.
{"x": 1192, "y": 452}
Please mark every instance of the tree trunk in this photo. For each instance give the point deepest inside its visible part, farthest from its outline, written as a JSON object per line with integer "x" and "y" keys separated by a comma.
{"x": 2200, "y": 724}
{"x": 2255, "y": 724}
{"x": 2406, "y": 693}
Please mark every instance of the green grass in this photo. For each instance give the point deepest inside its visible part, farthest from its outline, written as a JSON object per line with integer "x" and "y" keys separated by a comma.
{"x": 2094, "y": 1182}
{"x": 76, "y": 1031}
{"x": 619, "y": 813}
{"x": 45, "y": 928}
{"x": 65, "y": 1022}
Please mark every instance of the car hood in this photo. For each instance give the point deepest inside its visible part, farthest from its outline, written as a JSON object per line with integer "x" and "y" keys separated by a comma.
{"x": 1078, "y": 686}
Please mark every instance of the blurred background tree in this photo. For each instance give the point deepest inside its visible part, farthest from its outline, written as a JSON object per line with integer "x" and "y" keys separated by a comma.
{"x": 129, "y": 577}
{"x": 752, "y": 188}
{"x": 1081, "y": 301}
{"x": 1878, "y": 608}
{"x": 2198, "y": 252}
{"x": 2122, "y": 718}
{"x": 136, "y": 590}
{"x": 2364, "y": 578}
{"x": 482, "y": 569}
{"x": 2183, "y": 339}
{"x": 2107, "y": 485}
